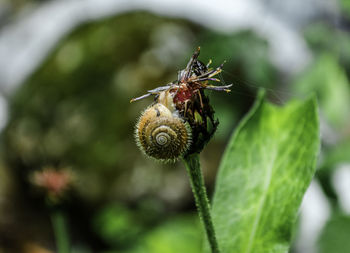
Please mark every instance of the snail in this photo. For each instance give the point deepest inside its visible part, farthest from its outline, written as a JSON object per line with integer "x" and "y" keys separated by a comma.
{"x": 161, "y": 132}
{"x": 181, "y": 120}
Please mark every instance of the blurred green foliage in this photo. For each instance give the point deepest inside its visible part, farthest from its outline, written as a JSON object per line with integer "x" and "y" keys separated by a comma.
{"x": 335, "y": 236}
{"x": 345, "y": 7}
{"x": 324, "y": 38}
{"x": 180, "y": 234}
{"x": 328, "y": 80}
{"x": 336, "y": 155}
{"x": 118, "y": 225}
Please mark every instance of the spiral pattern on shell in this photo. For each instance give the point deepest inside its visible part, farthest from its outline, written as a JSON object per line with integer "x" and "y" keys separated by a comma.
{"x": 162, "y": 135}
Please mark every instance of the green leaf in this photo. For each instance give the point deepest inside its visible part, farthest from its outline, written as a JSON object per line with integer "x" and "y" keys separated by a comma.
{"x": 264, "y": 173}
{"x": 335, "y": 235}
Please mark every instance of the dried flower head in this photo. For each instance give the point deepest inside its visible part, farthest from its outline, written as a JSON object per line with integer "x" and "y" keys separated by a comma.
{"x": 176, "y": 105}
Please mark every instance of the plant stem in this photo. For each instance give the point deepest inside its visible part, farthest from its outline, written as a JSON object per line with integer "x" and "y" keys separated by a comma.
{"x": 201, "y": 198}
{"x": 60, "y": 231}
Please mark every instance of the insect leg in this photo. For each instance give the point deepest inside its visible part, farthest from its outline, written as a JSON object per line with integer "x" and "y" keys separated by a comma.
{"x": 142, "y": 97}
{"x": 200, "y": 98}
{"x": 212, "y": 72}
{"x": 206, "y": 79}
{"x": 219, "y": 88}
{"x": 190, "y": 63}
{"x": 159, "y": 89}
{"x": 208, "y": 64}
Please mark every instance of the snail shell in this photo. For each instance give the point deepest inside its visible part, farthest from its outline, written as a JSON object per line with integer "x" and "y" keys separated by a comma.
{"x": 162, "y": 134}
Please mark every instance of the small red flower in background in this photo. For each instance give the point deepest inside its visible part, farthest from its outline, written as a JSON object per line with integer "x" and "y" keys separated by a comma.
{"x": 54, "y": 182}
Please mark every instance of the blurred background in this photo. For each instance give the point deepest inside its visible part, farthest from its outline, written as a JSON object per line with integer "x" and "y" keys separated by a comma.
{"x": 68, "y": 69}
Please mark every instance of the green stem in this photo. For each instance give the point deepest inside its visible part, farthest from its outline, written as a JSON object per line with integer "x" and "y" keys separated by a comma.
{"x": 60, "y": 231}
{"x": 200, "y": 195}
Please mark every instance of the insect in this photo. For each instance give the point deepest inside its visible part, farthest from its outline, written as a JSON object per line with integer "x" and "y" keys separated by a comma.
{"x": 176, "y": 123}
